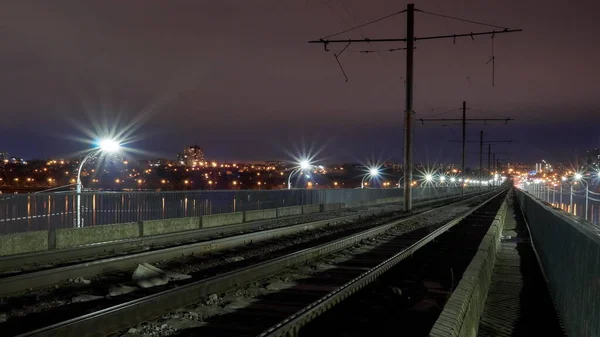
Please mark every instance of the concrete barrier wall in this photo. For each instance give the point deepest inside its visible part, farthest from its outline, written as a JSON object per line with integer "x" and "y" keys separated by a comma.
{"x": 569, "y": 251}
{"x": 261, "y": 214}
{"x": 26, "y": 242}
{"x": 289, "y": 211}
{"x": 332, "y": 206}
{"x": 223, "y": 219}
{"x": 73, "y": 237}
{"x": 307, "y": 209}
{"x": 157, "y": 227}
{"x": 462, "y": 312}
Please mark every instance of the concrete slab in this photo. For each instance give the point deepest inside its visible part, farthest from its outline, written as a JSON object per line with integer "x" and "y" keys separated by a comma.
{"x": 260, "y": 214}
{"x": 26, "y": 242}
{"x": 157, "y": 227}
{"x": 147, "y": 276}
{"x": 223, "y": 219}
{"x": 333, "y": 206}
{"x": 289, "y": 211}
{"x": 73, "y": 237}
{"x": 307, "y": 209}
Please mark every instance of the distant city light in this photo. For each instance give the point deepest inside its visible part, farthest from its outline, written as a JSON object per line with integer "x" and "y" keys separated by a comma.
{"x": 429, "y": 177}
{"x": 452, "y": 179}
{"x": 442, "y": 178}
{"x": 578, "y": 176}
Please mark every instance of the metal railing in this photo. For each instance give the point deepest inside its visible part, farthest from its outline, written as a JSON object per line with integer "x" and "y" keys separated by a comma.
{"x": 45, "y": 211}
{"x": 578, "y": 201}
{"x": 568, "y": 249}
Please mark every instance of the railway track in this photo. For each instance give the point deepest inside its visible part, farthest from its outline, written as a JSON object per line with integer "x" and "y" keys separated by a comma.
{"x": 29, "y": 272}
{"x": 113, "y": 318}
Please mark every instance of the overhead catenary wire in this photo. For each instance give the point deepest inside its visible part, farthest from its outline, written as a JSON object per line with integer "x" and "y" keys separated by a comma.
{"x": 459, "y": 19}
{"x": 363, "y": 25}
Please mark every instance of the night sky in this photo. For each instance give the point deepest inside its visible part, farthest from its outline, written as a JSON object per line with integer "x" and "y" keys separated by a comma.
{"x": 239, "y": 79}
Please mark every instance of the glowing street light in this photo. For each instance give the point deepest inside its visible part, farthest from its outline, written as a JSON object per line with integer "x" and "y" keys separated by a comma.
{"x": 429, "y": 178}
{"x": 579, "y": 177}
{"x": 303, "y": 164}
{"x": 105, "y": 145}
{"x": 372, "y": 173}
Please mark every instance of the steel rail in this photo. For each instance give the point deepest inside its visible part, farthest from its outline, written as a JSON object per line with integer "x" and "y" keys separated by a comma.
{"x": 63, "y": 256}
{"x": 292, "y": 325}
{"x": 122, "y": 316}
{"x": 21, "y": 283}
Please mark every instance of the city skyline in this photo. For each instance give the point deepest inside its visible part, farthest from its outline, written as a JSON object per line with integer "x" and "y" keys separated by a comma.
{"x": 226, "y": 79}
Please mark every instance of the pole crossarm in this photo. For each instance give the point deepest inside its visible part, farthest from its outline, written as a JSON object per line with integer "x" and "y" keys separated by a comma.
{"x": 485, "y": 141}
{"x": 460, "y": 119}
{"x": 435, "y": 37}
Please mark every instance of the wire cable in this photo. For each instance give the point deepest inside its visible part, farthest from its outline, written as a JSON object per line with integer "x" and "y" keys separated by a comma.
{"x": 442, "y": 113}
{"x": 362, "y": 25}
{"x": 459, "y": 19}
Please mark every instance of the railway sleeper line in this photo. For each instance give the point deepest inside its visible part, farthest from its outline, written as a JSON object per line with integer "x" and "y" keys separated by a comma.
{"x": 107, "y": 320}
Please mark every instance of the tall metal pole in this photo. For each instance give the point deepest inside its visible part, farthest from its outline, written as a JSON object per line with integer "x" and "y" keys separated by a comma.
{"x": 78, "y": 222}
{"x": 489, "y": 158}
{"x": 408, "y": 149}
{"x": 561, "y": 204}
{"x": 586, "y": 198}
{"x": 572, "y": 198}
{"x": 480, "y": 158}
{"x": 464, "y": 141}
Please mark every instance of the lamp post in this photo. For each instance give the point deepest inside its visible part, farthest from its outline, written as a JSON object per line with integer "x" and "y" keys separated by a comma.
{"x": 579, "y": 177}
{"x": 106, "y": 145}
{"x": 373, "y": 173}
{"x": 563, "y": 179}
{"x": 302, "y": 165}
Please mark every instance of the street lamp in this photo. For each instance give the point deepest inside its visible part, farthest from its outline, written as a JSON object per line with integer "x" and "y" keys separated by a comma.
{"x": 304, "y": 164}
{"x": 105, "y": 145}
{"x": 579, "y": 177}
{"x": 373, "y": 173}
{"x": 428, "y": 179}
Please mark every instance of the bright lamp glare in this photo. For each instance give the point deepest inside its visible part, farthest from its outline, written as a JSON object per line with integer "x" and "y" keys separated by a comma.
{"x": 429, "y": 177}
{"x": 109, "y": 145}
{"x": 442, "y": 178}
{"x": 304, "y": 164}
{"x": 452, "y": 179}
{"x": 374, "y": 172}
{"x": 578, "y": 176}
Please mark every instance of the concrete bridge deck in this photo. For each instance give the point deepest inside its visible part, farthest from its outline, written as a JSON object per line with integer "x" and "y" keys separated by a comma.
{"x": 518, "y": 302}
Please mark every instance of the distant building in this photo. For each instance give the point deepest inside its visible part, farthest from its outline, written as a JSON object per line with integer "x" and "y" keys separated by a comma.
{"x": 193, "y": 156}
{"x": 543, "y": 167}
{"x": 4, "y": 156}
{"x": 593, "y": 159}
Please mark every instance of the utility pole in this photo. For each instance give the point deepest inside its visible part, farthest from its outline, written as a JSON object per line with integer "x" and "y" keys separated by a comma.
{"x": 410, "y": 40}
{"x": 463, "y": 121}
{"x": 464, "y": 142}
{"x": 495, "y": 163}
{"x": 489, "y": 158}
{"x": 408, "y": 136}
{"x": 480, "y": 153}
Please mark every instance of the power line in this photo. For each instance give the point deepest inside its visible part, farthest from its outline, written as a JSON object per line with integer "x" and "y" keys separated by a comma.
{"x": 408, "y": 111}
{"x": 459, "y": 19}
{"x": 362, "y": 25}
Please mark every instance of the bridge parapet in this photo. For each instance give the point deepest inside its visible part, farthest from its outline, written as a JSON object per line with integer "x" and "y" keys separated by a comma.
{"x": 569, "y": 251}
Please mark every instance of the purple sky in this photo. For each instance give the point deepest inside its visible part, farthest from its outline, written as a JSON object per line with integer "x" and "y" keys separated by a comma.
{"x": 239, "y": 79}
